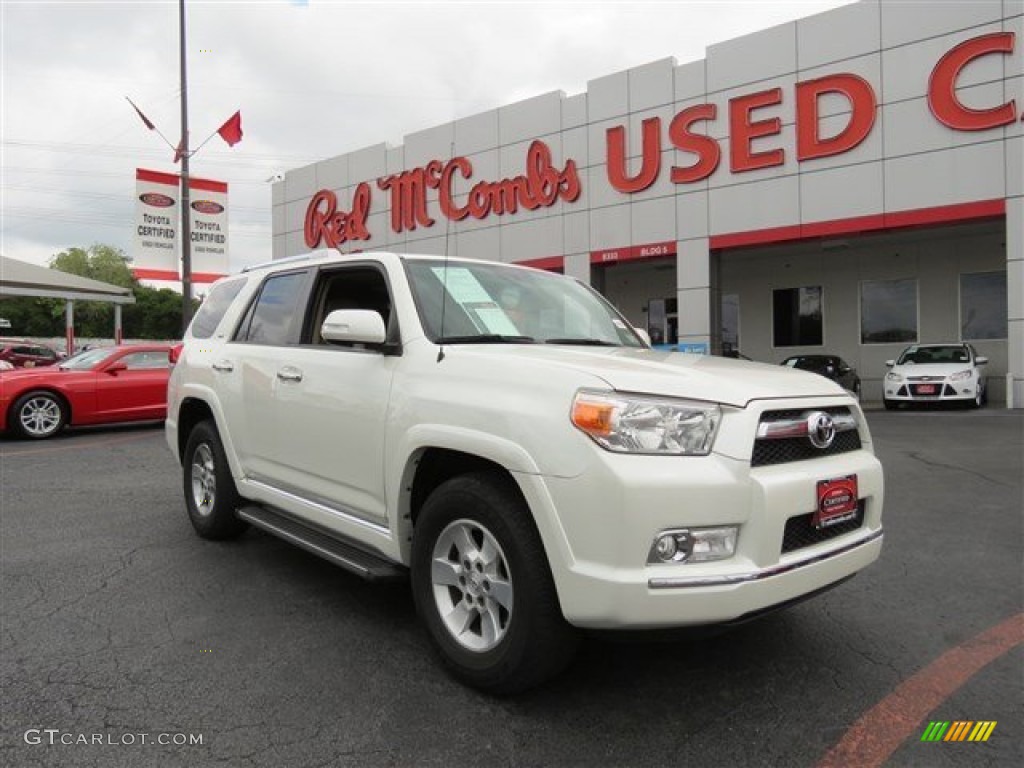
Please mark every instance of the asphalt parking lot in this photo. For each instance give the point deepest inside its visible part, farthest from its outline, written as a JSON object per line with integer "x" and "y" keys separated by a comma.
{"x": 121, "y": 630}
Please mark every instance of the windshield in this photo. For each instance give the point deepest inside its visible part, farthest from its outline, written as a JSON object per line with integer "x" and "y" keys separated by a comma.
{"x": 83, "y": 361}
{"x": 497, "y": 303}
{"x": 945, "y": 354}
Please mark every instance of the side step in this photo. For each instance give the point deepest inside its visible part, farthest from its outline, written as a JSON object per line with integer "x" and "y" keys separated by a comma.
{"x": 348, "y": 555}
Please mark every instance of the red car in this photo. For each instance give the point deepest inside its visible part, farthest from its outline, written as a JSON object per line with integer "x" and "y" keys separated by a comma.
{"x": 98, "y": 386}
{"x": 22, "y": 353}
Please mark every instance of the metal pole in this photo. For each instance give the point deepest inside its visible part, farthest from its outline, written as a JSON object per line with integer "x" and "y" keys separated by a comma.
{"x": 186, "y": 223}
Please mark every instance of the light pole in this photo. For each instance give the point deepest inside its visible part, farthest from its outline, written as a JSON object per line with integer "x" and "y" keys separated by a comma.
{"x": 186, "y": 223}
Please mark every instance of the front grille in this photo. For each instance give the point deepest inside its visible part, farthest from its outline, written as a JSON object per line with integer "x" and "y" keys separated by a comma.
{"x": 800, "y": 533}
{"x": 784, "y": 450}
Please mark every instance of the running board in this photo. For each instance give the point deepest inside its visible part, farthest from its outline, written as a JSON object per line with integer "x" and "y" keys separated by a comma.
{"x": 349, "y": 556}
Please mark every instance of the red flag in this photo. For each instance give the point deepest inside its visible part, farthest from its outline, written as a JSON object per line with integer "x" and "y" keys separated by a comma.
{"x": 145, "y": 119}
{"x": 179, "y": 151}
{"x": 231, "y": 131}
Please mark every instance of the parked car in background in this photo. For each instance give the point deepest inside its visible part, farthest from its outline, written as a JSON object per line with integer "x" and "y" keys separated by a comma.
{"x": 98, "y": 386}
{"x": 5, "y": 366}
{"x": 829, "y": 366}
{"x": 23, "y": 353}
{"x": 936, "y": 373}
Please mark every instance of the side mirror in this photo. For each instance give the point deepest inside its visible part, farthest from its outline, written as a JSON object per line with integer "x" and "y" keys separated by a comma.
{"x": 115, "y": 368}
{"x": 355, "y": 326}
{"x": 981, "y": 360}
{"x": 890, "y": 363}
{"x": 643, "y": 335}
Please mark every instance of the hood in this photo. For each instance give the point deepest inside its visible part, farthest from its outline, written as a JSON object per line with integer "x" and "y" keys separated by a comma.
{"x": 673, "y": 374}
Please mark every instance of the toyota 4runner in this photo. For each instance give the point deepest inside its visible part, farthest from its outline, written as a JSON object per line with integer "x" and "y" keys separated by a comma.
{"x": 503, "y": 438}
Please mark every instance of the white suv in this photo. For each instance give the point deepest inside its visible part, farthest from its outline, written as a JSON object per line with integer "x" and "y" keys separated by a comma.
{"x": 503, "y": 438}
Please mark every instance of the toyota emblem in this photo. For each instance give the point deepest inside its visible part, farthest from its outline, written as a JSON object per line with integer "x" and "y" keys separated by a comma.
{"x": 821, "y": 430}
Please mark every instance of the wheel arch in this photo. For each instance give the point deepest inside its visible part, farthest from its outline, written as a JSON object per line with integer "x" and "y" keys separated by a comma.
{"x": 192, "y": 411}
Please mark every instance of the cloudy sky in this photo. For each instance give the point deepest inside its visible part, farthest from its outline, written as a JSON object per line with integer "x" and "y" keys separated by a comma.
{"x": 312, "y": 78}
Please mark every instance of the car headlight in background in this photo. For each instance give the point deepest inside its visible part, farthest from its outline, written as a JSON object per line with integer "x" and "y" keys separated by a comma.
{"x": 891, "y": 376}
{"x": 961, "y": 375}
{"x": 637, "y": 424}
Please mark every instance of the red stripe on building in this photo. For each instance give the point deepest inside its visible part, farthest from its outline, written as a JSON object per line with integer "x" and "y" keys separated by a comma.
{"x": 634, "y": 253}
{"x": 920, "y": 217}
{"x": 547, "y": 262}
{"x": 155, "y": 274}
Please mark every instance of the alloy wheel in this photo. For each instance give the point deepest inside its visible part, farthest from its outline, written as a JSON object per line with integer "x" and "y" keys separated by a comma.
{"x": 204, "y": 480}
{"x": 40, "y": 416}
{"x": 472, "y": 585}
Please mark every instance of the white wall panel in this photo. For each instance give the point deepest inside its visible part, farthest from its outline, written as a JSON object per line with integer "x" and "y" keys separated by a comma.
{"x": 653, "y": 221}
{"x": 689, "y": 81}
{"x": 651, "y": 85}
{"x": 531, "y": 119}
{"x": 869, "y": 150}
{"x": 841, "y": 193}
{"x": 277, "y": 193}
{"x": 784, "y": 140}
{"x": 818, "y": 43}
{"x": 759, "y": 205}
{"x": 608, "y": 97}
{"x": 904, "y": 22}
{"x": 1013, "y": 90}
{"x": 479, "y": 244}
{"x": 693, "y": 264}
{"x": 368, "y": 164}
{"x": 574, "y": 111}
{"x": 692, "y": 214}
{"x": 694, "y": 315}
{"x": 538, "y": 238}
{"x": 610, "y": 227}
{"x": 332, "y": 173}
{"x": 598, "y": 191}
{"x": 867, "y": 67}
{"x": 396, "y": 161}
{"x": 300, "y": 184}
{"x": 752, "y": 58}
{"x": 432, "y": 144}
{"x": 906, "y": 70}
{"x": 1015, "y": 166}
{"x": 785, "y": 110}
{"x": 279, "y": 246}
{"x": 575, "y": 146}
{"x": 911, "y": 127}
{"x": 476, "y": 133}
{"x": 961, "y": 175}
{"x": 576, "y": 231}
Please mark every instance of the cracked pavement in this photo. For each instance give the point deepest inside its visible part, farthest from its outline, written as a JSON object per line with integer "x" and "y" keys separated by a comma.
{"x": 116, "y": 619}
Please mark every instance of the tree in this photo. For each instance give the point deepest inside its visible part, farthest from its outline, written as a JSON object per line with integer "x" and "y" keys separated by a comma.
{"x": 156, "y": 313}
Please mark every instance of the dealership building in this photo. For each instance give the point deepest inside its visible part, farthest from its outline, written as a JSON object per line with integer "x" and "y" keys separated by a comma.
{"x": 848, "y": 183}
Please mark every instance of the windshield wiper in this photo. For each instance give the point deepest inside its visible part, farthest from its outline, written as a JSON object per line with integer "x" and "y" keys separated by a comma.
{"x": 584, "y": 342}
{"x": 487, "y": 338}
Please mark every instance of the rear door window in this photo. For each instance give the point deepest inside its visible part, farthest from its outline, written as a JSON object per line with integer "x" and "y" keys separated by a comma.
{"x": 214, "y": 306}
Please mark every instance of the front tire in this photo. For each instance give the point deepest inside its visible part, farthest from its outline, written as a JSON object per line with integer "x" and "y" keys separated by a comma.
{"x": 210, "y": 494}
{"x": 483, "y": 588}
{"x": 39, "y": 415}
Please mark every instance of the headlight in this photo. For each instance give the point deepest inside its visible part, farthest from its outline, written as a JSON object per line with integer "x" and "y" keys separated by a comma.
{"x": 890, "y": 376}
{"x": 961, "y": 375}
{"x": 636, "y": 424}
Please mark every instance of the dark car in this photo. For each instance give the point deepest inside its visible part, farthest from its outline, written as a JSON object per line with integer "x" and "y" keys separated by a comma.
{"x": 829, "y": 366}
{"x": 22, "y": 353}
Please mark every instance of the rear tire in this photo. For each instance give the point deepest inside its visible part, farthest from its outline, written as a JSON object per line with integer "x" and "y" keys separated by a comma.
{"x": 210, "y": 494}
{"x": 483, "y": 587}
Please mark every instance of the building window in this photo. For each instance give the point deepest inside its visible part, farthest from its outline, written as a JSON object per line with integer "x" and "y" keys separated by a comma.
{"x": 983, "y": 306}
{"x": 888, "y": 311}
{"x": 796, "y": 316}
{"x": 730, "y": 323}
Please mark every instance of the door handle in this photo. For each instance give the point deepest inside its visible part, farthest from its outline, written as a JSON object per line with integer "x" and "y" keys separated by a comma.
{"x": 289, "y": 374}
{"x": 224, "y": 366}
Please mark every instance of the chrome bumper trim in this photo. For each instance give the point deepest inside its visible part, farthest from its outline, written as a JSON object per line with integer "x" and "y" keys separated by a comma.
{"x": 763, "y": 573}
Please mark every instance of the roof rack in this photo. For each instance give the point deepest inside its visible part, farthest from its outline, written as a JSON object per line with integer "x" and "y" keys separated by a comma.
{"x": 288, "y": 260}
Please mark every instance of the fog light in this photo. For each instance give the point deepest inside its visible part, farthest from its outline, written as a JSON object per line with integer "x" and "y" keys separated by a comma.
{"x": 687, "y": 545}
{"x": 713, "y": 544}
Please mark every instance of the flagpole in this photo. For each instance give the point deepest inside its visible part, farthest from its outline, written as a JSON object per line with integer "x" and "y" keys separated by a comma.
{"x": 186, "y": 223}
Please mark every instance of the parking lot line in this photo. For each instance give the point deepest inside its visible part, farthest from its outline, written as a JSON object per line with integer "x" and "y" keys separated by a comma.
{"x": 881, "y": 730}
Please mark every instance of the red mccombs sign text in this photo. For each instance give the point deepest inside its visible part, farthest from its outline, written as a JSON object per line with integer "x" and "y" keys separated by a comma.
{"x": 749, "y": 119}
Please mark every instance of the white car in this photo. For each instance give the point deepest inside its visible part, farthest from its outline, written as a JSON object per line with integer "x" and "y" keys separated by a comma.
{"x": 936, "y": 373}
{"x": 504, "y": 439}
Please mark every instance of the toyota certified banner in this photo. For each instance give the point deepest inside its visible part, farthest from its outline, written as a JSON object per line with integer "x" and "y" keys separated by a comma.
{"x": 158, "y": 218}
